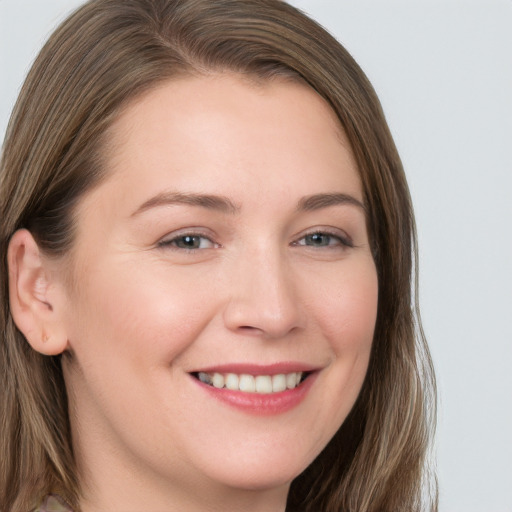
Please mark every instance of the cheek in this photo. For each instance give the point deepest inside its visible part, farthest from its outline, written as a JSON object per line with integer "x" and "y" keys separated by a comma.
{"x": 348, "y": 315}
{"x": 344, "y": 308}
{"x": 139, "y": 315}
{"x": 347, "y": 310}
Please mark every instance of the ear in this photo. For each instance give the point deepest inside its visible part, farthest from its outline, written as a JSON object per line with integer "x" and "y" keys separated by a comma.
{"x": 34, "y": 298}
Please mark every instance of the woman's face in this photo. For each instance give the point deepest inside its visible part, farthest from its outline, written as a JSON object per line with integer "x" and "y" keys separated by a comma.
{"x": 227, "y": 247}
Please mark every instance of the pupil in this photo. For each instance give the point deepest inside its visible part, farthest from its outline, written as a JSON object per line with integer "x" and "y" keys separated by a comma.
{"x": 319, "y": 239}
{"x": 190, "y": 241}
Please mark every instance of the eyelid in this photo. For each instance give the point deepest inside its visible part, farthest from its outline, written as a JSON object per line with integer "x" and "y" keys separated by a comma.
{"x": 344, "y": 239}
{"x": 168, "y": 240}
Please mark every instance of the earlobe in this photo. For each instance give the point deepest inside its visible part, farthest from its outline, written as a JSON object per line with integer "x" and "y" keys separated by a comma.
{"x": 32, "y": 296}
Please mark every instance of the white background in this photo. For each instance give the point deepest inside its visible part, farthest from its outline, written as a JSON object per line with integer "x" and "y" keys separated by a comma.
{"x": 443, "y": 71}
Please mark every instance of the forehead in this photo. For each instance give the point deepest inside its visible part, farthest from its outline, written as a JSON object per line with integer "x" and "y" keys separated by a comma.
{"x": 225, "y": 113}
{"x": 224, "y": 134}
{"x": 198, "y": 105}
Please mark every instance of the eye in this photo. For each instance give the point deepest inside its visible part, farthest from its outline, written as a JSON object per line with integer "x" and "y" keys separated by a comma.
{"x": 188, "y": 241}
{"x": 324, "y": 239}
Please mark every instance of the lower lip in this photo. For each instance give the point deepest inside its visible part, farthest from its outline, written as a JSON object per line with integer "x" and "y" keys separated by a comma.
{"x": 261, "y": 403}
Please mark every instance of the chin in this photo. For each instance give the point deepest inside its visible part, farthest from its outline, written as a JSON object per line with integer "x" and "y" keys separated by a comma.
{"x": 258, "y": 475}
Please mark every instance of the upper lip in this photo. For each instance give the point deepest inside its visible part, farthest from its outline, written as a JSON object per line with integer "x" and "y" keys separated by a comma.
{"x": 259, "y": 369}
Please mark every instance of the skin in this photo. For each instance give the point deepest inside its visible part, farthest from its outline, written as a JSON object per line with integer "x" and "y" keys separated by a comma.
{"x": 144, "y": 312}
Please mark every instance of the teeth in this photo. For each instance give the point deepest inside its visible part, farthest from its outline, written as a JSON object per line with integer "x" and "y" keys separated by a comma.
{"x": 246, "y": 383}
{"x": 218, "y": 380}
{"x": 232, "y": 381}
{"x": 278, "y": 382}
{"x": 263, "y": 384}
{"x": 291, "y": 380}
{"x": 204, "y": 377}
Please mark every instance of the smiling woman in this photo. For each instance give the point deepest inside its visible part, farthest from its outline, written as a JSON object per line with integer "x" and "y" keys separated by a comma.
{"x": 208, "y": 240}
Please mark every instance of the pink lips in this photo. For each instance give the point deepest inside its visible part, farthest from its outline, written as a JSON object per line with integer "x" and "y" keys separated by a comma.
{"x": 257, "y": 403}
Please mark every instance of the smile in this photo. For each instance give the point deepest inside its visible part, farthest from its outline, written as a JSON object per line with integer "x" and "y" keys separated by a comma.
{"x": 262, "y": 384}
{"x": 258, "y": 389}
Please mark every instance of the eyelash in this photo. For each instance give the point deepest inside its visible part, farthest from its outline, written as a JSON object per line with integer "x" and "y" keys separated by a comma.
{"x": 341, "y": 241}
{"x": 172, "y": 242}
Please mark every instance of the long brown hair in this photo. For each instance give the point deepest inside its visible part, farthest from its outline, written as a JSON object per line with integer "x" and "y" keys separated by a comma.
{"x": 105, "y": 55}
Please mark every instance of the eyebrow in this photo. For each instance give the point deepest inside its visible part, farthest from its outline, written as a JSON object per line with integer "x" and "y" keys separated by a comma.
{"x": 319, "y": 201}
{"x": 208, "y": 201}
{"x": 225, "y": 205}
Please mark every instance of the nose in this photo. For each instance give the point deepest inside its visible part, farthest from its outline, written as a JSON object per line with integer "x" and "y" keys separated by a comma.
{"x": 263, "y": 299}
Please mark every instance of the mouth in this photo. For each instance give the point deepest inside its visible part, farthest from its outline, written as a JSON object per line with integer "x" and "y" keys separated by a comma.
{"x": 258, "y": 390}
{"x": 248, "y": 383}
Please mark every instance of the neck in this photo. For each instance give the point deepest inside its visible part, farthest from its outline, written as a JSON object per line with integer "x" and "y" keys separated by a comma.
{"x": 130, "y": 496}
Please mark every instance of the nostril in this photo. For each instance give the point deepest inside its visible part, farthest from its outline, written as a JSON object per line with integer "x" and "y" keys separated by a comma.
{"x": 249, "y": 329}
{"x": 256, "y": 314}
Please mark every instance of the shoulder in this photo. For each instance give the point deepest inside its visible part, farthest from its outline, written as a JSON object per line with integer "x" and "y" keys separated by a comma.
{"x": 53, "y": 503}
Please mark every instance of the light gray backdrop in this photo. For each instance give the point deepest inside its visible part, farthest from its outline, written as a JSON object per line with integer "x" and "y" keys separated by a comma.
{"x": 443, "y": 70}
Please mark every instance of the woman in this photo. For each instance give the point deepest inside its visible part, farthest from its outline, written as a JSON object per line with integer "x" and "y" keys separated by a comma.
{"x": 207, "y": 245}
